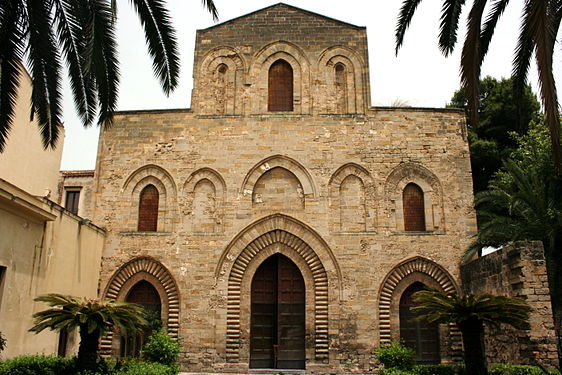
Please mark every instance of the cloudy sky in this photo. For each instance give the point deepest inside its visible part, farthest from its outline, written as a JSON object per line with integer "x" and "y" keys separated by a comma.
{"x": 419, "y": 76}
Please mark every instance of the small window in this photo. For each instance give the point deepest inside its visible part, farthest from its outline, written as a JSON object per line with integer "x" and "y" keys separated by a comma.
{"x": 341, "y": 88}
{"x": 72, "y": 200}
{"x": 2, "y": 277}
{"x": 414, "y": 211}
{"x": 280, "y": 87}
{"x": 148, "y": 209}
{"x": 63, "y": 342}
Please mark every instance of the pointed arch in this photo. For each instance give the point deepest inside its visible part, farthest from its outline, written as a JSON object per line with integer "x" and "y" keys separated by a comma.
{"x": 259, "y": 71}
{"x": 304, "y": 177}
{"x": 154, "y": 272}
{"x": 408, "y": 173}
{"x": 408, "y": 271}
{"x": 138, "y": 180}
{"x": 278, "y": 234}
{"x": 216, "y": 187}
{"x": 368, "y": 204}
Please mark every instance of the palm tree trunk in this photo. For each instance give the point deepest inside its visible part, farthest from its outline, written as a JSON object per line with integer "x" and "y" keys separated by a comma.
{"x": 88, "y": 349}
{"x": 473, "y": 341}
{"x": 553, "y": 255}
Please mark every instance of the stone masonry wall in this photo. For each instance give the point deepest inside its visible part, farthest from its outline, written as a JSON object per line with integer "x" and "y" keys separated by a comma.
{"x": 516, "y": 271}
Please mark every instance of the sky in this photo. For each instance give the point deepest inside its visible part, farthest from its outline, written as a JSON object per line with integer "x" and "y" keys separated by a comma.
{"x": 418, "y": 76}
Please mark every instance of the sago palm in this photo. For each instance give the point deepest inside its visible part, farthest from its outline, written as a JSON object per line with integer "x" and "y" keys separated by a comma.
{"x": 92, "y": 317}
{"x": 80, "y": 34}
{"x": 471, "y": 313}
{"x": 541, "y": 22}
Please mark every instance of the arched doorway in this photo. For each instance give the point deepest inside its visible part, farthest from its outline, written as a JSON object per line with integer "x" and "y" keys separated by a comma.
{"x": 416, "y": 334}
{"x": 277, "y": 326}
{"x": 144, "y": 294}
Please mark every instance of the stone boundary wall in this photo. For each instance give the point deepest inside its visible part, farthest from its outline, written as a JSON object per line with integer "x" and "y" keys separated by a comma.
{"x": 518, "y": 270}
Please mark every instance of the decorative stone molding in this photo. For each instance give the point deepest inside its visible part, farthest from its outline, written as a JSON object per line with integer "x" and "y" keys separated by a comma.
{"x": 388, "y": 293}
{"x": 282, "y": 161}
{"x": 151, "y": 270}
{"x": 258, "y": 76}
{"x": 369, "y": 195}
{"x": 214, "y": 178}
{"x": 397, "y": 180}
{"x": 279, "y": 233}
{"x": 167, "y": 193}
{"x": 354, "y": 67}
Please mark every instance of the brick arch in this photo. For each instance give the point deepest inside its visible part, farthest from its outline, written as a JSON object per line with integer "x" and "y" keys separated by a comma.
{"x": 417, "y": 265}
{"x": 429, "y": 183}
{"x": 259, "y": 70}
{"x": 353, "y": 169}
{"x": 282, "y": 161}
{"x": 151, "y": 270}
{"x": 304, "y": 246}
{"x": 357, "y": 90}
{"x": 151, "y": 175}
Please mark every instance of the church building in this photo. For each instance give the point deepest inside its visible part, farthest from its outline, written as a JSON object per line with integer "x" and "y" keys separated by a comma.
{"x": 282, "y": 221}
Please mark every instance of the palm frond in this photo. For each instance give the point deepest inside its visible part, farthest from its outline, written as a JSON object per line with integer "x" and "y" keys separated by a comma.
{"x": 441, "y": 307}
{"x": 490, "y": 25}
{"x": 70, "y": 35}
{"x": 450, "y": 14}
{"x": 542, "y": 30}
{"x": 162, "y": 44}
{"x": 211, "y": 8}
{"x": 12, "y": 37}
{"x": 44, "y": 63}
{"x": 404, "y": 18}
{"x": 102, "y": 49}
{"x": 470, "y": 58}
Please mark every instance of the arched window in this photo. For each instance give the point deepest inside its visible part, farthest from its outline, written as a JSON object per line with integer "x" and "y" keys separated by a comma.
{"x": 341, "y": 88}
{"x": 221, "y": 88}
{"x": 280, "y": 87}
{"x": 144, "y": 294}
{"x": 418, "y": 335}
{"x": 414, "y": 210}
{"x": 148, "y": 209}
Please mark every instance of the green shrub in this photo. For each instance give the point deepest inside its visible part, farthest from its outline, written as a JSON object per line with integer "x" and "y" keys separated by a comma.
{"x": 161, "y": 348}
{"x": 396, "y": 356}
{"x": 505, "y": 369}
{"x": 146, "y": 368}
{"x": 396, "y": 371}
{"x": 439, "y": 369}
{"x": 38, "y": 365}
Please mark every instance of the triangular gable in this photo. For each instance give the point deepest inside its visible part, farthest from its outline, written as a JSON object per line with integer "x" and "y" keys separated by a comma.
{"x": 287, "y": 7}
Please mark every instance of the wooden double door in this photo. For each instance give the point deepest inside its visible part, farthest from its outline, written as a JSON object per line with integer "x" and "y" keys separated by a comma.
{"x": 277, "y": 327}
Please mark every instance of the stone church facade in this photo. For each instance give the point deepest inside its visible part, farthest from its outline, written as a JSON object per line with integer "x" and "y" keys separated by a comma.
{"x": 282, "y": 221}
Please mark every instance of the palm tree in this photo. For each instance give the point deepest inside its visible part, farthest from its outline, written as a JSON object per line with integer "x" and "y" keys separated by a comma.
{"x": 471, "y": 313}
{"x": 82, "y": 34}
{"x": 541, "y": 21}
{"x": 92, "y": 317}
{"x": 526, "y": 204}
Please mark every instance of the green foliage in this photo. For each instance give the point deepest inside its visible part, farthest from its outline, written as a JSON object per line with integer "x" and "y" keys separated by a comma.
{"x": 395, "y": 371}
{"x": 161, "y": 348}
{"x": 439, "y": 370}
{"x": 146, "y": 368}
{"x": 507, "y": 369}
{"x": 501, "y": 115}
{"x": 442, "y": 307}
{"x": 396, "y": 356}
{"x": 38, "y": 365}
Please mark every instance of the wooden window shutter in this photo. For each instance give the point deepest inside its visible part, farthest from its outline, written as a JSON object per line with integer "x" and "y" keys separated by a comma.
{"x": 414, "y": 210}
{"x": 148, "y": 209}
{"x": 280, "y": 87}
